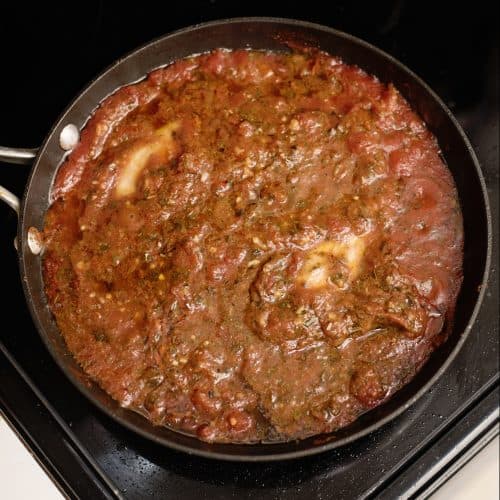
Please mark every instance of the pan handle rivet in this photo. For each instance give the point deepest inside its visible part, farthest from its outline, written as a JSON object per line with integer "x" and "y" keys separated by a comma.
{"x": 35, "y": 240}
{"x": 69, "y": 137}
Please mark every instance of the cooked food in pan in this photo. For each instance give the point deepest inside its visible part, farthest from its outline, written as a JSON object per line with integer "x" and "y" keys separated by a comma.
{"x": 253, "y": 246}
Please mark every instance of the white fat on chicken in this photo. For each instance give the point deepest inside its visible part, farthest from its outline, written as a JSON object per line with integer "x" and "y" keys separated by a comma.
{"x": 136, "y": 159}
{"x": 318, "y": 267}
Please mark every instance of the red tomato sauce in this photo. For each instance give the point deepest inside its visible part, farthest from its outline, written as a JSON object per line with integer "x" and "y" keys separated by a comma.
{"x": 254, "y": 246}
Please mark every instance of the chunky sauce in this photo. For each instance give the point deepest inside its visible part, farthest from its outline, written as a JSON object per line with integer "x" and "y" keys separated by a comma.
{"x": 253, "y": 246}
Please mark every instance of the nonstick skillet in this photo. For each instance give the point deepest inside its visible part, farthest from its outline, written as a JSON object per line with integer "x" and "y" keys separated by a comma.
{"x": 269, "y": 34}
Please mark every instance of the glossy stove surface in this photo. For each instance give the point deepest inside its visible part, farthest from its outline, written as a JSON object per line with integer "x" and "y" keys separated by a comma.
{"x": 454, "y": 50}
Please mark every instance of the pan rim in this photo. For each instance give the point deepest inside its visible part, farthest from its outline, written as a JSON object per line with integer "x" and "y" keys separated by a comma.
{"x": 269, "y": 456}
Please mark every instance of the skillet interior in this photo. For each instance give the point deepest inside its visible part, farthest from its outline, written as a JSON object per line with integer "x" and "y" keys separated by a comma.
{"x": 266, "y": 33}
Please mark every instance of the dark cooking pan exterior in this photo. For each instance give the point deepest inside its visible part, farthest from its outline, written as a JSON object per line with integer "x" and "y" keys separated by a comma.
{"x": 266, "y": 33}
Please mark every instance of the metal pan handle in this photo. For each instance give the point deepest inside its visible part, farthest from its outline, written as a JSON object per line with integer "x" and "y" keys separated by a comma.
{"x": 20, "y": 156}
{"x": 23, "y": 156}
{"x": 10, "y": 198}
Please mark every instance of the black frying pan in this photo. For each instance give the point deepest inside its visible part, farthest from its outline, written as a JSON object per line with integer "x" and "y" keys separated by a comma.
{"x": 271, "y": 34}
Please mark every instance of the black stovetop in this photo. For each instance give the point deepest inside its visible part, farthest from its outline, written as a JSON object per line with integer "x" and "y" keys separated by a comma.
{"x": 48, "y": 54}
